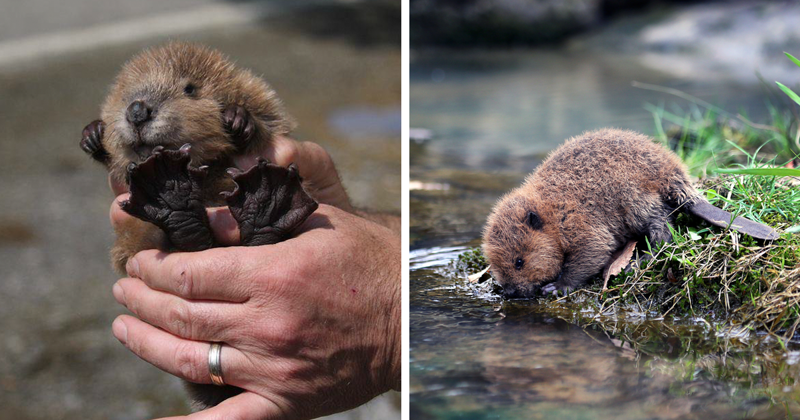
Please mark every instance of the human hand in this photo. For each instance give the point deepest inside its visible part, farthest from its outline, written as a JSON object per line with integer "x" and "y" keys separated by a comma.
{"x": 311, "y": 325}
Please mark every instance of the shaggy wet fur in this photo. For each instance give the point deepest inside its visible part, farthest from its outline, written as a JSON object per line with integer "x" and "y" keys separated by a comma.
{"x": 585, "y": 201}
{"x": 159, "y": 77}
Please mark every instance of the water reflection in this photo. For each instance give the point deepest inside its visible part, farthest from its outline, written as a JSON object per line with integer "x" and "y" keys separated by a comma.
{"x": 476, "y": 356}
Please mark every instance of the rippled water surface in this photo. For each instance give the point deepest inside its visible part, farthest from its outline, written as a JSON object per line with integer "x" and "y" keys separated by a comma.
{"x": 494, "y": 116}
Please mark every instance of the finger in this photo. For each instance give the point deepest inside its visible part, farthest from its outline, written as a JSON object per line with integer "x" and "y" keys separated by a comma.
{"x": 245, "y": 406}
{"x": 193, "y": 320}
{"x": 116, "y": 214}
{"x": 324, "y": 181}
{"x": 116, "y": 186}
{"x": 183, "y": 358}
{"x": 282, "y": 152}
{"x": 224, "y": 226}
{"x": 216, "y": 273}
{"x": 315, "y": 166}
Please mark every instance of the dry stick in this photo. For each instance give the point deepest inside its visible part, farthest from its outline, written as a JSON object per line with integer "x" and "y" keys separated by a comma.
{"x": 725, "y": 284}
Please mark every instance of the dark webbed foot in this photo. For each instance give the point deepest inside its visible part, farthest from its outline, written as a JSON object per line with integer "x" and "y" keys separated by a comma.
{"x": 268, "y": 202}
{"x": 167, "y": 192}
{"x": 239, "y": 124}
{"x": 92, "y": 141}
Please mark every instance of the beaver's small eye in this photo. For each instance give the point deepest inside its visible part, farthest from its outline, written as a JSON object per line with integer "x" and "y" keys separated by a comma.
{"x": 190, "y": 90}
{"x": 519, "y": 263}
{"x": 533, "y": 220}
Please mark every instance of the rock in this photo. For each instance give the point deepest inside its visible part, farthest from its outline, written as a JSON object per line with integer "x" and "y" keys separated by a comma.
{"x": 510, "y": 22}
{"x": 498, "y": 22}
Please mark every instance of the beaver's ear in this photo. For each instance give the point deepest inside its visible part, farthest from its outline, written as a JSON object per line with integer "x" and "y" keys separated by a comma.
{"x": 533, "y": 220}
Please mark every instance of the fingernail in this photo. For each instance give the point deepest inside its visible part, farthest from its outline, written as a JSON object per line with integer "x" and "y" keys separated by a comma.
{"x": 119, "y": 294}
{"x": 120, "y": 330}
{"x": 132, "y": 267}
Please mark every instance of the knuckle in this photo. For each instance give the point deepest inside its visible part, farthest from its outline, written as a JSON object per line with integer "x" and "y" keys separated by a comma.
{"x": 183, "y": 278}
{"x": 134, "y": 344}
{"x": 179, "y": 320}
{"x": 323, "y": 159}
{"x": 132, "y": 300}
{"x": 285, "y": 334}
{"x": 307, "y": 269}
{"x": 281, "y": 282}
{"x": 190, "y": 362}
{"x": 290, "y": 371}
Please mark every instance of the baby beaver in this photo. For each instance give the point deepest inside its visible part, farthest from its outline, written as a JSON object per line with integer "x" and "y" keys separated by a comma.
{"x": 171, "y": 124}
{"x": 589, "y": 198}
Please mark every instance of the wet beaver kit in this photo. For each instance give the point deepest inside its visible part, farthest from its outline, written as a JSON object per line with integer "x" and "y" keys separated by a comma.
{"x": 585, "y": 202}
{"x": 722, "y": 274}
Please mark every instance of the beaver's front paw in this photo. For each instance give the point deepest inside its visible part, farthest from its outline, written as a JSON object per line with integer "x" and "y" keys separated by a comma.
{"x": 167, "y": 192}
{"x": 556, "y": 288}
{"x": 92, "y": 141}
{"x": 239, "y": 124}
{"x": 268, "y": 202}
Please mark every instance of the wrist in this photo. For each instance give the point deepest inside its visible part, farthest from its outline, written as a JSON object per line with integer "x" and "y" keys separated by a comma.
{"x": 394, "y": 340}
{"x": 394, "y": 376}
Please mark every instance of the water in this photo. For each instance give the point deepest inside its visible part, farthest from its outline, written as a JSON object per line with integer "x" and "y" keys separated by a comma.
{"x": 495, "y": 116}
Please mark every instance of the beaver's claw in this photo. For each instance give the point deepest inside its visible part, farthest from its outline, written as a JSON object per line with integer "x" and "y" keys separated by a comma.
{"x": 92, "y": 141}
{"x": 239, "y": 124}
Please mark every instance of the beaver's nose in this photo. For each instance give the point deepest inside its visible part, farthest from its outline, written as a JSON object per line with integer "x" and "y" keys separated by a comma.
{"x": 138, "y": 113}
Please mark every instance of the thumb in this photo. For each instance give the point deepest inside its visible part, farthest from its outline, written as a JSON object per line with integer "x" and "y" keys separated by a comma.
{"x": 245, "y": 406}
{"x": 116, "y": 186}
{"x": 315, "y": 165}
{"x": 223, "y": 226}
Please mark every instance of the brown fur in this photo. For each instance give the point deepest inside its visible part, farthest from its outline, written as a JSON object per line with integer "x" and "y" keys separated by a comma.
{"x": 158, "y": 76}
{"x": 592, "y": 195}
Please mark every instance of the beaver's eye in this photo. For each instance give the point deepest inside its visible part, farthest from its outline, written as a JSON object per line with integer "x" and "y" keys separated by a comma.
{"x": 519, "y": 263}
{"x": 533, "y": 220}
{"x": 190, "y": 90}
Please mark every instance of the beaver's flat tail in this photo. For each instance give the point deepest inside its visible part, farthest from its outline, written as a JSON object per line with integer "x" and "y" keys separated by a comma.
{"x": 718, "y": 217}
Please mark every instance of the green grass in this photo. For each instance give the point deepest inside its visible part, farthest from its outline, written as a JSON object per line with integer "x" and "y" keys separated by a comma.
{"x": 722, "y": 275}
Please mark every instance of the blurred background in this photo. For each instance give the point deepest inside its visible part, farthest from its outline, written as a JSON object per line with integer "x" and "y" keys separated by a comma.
{"x": 498, "y": 84}
{"x": 336, "y": 65}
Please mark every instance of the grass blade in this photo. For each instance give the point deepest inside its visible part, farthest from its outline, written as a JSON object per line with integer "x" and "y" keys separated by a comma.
{"x": 789, "y": 92}
{"x": 762, "y": 171}
{"x": 794, "y": 60}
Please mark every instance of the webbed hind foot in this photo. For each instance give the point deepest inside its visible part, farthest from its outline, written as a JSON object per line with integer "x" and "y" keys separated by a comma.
{"x": 269, "y": 202}
{"x": 168, "y": 193}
